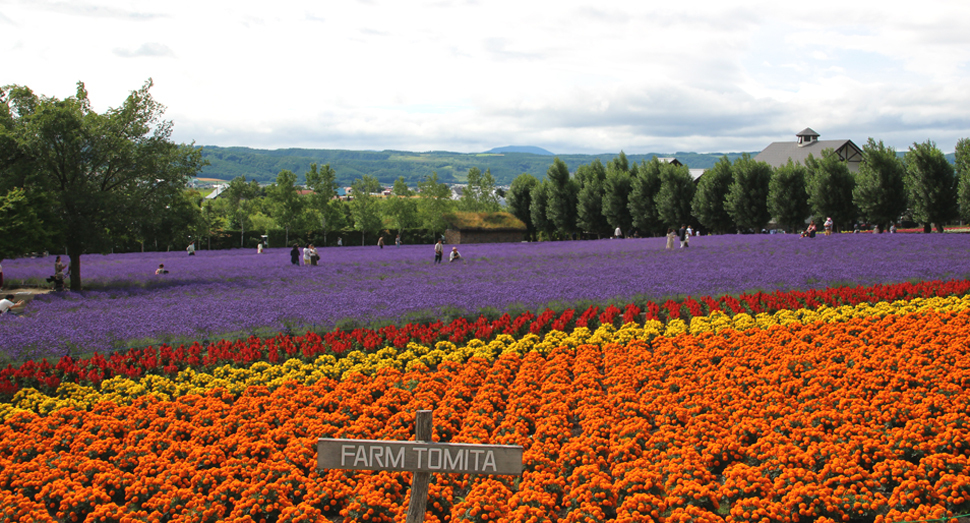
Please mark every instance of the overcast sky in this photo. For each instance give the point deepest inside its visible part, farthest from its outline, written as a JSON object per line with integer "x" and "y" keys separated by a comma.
{"x": 466, "y": 76}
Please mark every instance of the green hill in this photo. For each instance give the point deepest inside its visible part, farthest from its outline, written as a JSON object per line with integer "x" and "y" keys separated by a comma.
{"x": 263, "y": 165}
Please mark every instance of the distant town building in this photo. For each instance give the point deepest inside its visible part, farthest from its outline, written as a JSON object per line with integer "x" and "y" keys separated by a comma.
{"x": 807, "y": 143}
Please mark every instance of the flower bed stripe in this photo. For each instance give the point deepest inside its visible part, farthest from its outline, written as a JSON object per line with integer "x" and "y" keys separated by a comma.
{"x": 862, "y": 419}
{"x": 235, "y": 380}
{"x": 168, "y": 361}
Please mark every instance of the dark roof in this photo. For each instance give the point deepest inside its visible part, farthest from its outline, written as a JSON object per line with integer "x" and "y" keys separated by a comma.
{"x": 778, "y": 153}
{"x": 808, "y": 132}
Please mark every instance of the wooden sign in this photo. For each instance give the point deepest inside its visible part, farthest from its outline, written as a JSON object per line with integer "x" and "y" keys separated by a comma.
{"x": 455, "y": 458}
{"x": 421, "y": 457}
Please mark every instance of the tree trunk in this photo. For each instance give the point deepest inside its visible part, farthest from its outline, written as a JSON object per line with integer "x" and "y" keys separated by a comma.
{"x": 939, "y": 228}
{"x": 927, "y": 228}
{"x": 74, "y": 253}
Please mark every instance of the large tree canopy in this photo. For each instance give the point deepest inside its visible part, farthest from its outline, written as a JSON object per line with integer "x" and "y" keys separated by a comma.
{"x": 520, "y": 200}
{"x": 590, "y": 213}
{"x": 747, "y": 198}
{"x": 829, "y": 185}
{"x": 99, "y": 173}
{"x": 932, "y": 185}
{"x": 787, "y": 196}
{"x": 708, "y": 203}
{"x": 880, "y": 192}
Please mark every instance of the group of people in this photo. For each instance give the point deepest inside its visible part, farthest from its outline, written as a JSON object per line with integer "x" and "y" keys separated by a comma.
{"x": 439, "y": 251}
{"x": 397, "y": 241}
{"x": 683, "y": 234}
{"x": 310, "y": 256}
{"x": 812, "y": 230}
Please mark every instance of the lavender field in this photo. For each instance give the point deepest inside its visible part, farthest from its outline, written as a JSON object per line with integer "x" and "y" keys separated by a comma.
{"x": 236, "y": 293}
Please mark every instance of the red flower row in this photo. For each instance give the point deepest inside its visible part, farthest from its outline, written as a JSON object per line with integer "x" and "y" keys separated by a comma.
{"x": 168, "y": 361}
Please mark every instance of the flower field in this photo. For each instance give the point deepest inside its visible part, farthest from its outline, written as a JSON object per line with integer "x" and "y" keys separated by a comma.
{"x": 236, "y": 294}
{"x": 807, "y": 404}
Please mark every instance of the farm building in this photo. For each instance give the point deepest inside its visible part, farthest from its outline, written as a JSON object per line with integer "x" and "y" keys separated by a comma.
{"x": 807, "y": 143}
{"x": 483, "y": 227}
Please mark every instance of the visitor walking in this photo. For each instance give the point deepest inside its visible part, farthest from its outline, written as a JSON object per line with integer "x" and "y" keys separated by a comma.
{"x": 380, "y": 242}
{"x": 671, "y": 236}
{"x": 397, "y": 241}
{"x": 617, "y": 233}
{"x": 314, "y": 257}
{"x": 828, "y": 226}
{"x": 295, "y": 255}
{"x": 191, "y": 249}
{"x": 682, "y": 234}
{"x": 306, "y": 255}
{"x": 439, "y": 251}
{"x": 340, "y": 241}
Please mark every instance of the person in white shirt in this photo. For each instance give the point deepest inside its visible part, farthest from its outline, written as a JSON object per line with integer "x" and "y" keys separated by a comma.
{"x": 7, "y": 304}
{"x": 306, "y": 255}
{"x": 455, "y": 255}
{"x": 191, "y": 249}
{"x": 618, "y": 233}
{"x": 439, "y": 250}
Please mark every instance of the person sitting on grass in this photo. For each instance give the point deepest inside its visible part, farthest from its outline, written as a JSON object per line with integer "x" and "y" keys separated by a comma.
{"x": 161, "y": 269}
{"x": 455, "y": 255}
{"x": 7, "y": 305}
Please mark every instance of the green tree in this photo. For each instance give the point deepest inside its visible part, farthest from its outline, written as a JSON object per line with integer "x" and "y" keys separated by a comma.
{"x": 519, "y": 199}
{"x": 286, "y": 205}
{"x": 364, "y": 205}
{"x": 747, "y": 198}
{"x": 328, "y": 209}
{"x": 620, "y": 163}
{"x": 712, "y": 189}
{"x": 589, "y": 200}
{"x": 479, "y": 193}
{"x": 829, "y": 186}
{"x": 21, "y": 230}
{"x": 787, "y": 197}
{"x": 932, "y": 185}
{"x": 539, "y": 209}
{"x": 561, "y": 195}
{"x": 100, "y": 172}
{"x": 241, "y": 202}
{"x": 435, "y": 201}
{"x": 645, "y": 185}
{"x": 676, "y": 193}
{"x": 880, "y": 191}
{"x": 963, "y": 177}
{"x": 616, "y": 194}
{"x": 401, "y": 209}
{"x": 174, "y": 228}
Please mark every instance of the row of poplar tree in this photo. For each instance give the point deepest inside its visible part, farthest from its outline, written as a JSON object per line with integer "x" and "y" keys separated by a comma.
{"x": 652, "y": 196}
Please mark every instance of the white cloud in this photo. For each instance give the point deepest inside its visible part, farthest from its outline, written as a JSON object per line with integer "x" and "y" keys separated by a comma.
{"x": 147, "y": 49}
{"x": 574, "y": 76}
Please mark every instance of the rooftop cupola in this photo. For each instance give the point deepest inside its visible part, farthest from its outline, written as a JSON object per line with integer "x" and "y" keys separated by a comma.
{"x": 807, "y": 137}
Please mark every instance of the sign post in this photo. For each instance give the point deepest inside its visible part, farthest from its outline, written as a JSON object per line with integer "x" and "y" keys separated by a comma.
{"x": 422, "y": 457}
{"x": 420, "y": 480}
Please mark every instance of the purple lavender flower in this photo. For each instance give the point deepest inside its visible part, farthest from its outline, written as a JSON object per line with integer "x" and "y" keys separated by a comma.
{"x": 236, "y": 293}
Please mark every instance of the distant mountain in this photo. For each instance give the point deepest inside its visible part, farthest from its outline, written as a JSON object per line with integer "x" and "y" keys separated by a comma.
{"x": 529, "y": 149}
{"x": 226, "y": 163}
